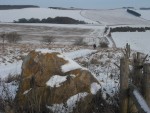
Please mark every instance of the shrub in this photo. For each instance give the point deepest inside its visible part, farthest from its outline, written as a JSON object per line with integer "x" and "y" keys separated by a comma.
{"x": 22, "y": 20}
{"x": 96, "y": 105}
{"x": 6, "y": 98}
{"x": 79, "y": 42}
{"x": 6, "y": 95}
{"x": 3, "y": 36}
{"x": 47, "y": 39}
{"x": 103, "y": 45}
{"x": 94, "y": 61}
{"x": 13, "y": 37}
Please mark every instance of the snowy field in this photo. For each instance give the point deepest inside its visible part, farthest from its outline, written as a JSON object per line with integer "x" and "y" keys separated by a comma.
{"x": 145, "y": 14}
{"x": 15, "y": 14}
{"x": 138, "y": 41}
{"x": 113, "y": 17}
{"x": 101, "y": 17}
{"x": 63, "y": 34}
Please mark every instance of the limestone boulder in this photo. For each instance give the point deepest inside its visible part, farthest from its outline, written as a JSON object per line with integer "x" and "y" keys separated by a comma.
{"x": 50, "y": 81}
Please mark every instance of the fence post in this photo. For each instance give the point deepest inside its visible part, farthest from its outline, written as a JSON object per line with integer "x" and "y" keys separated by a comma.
{"x": 146, "y": 81}
{"x": 124, "y": 74}
{"x": 136, "y": 78}
{"x": 137, "y": 70}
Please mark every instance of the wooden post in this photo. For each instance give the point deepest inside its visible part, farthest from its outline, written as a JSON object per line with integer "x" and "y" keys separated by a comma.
{"x": 136, "y": 78}
{"x": 137, "y": 71}
{"x": 146, "y": 79}
{"x": 124, "y": 73}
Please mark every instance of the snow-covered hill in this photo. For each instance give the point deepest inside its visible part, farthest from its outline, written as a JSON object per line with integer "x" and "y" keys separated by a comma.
{"x": 15, "y": 14}
{"x": 113, "y": 17}
{"x": 145, "y": 14}
{"x": 103, "y": 17}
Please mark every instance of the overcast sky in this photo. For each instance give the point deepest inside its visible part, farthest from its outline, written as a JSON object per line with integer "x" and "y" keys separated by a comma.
{"x": 100, "y": 4}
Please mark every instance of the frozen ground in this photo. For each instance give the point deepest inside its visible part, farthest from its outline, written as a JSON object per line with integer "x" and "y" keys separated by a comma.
{"x": 100, "y": 62}
{"x": 63, "y": 34}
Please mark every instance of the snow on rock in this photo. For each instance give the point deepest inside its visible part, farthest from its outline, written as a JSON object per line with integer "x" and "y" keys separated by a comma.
{"x": 141, "y": 101}
{"x": 76, "y": 98}
{"x": 95, "y": 87}
{"x": 56, "y": 80}
{"x": 79, "y": 53}
{"x": 73, "y": 76}
{"x": 27, "y": 91}
{"x": 44, "y": 51}
{"x": 71, "y": 65}
{"x": 70, "y": 104}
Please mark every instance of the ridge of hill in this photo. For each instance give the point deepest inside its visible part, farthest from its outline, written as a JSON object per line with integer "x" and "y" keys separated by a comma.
{"x": 6, "y": 7}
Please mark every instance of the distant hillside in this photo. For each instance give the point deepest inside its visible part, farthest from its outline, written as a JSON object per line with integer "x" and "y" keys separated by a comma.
{"x": 6, "y": 7}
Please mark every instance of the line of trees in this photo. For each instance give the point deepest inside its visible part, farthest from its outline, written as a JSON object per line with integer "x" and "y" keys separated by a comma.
{"x": 57, "y": 20}
{"x": 6, "y": 7}
{"x": 145, "y": 8}
{"x": 133, "y": 12}
{"x": 129, "y": 29}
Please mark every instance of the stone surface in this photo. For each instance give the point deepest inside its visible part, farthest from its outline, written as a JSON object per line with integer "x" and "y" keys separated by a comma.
{"x": 36, "y": 90}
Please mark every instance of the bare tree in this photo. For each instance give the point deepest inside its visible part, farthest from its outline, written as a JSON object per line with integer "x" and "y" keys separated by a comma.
{"x": 48, "y": 39}
{"x": 3, "y": 36}
{"x": 13, "y": 37}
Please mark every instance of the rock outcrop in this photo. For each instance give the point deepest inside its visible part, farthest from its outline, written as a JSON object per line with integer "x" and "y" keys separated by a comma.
{"x": 50, "y": 81}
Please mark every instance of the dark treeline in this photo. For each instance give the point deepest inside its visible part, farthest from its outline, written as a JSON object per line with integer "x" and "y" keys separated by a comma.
{"x": 129, "y": 29}
{"x": 128, "y": 7}
{"x": 60, "y": 8}
{"x": 133, "y": 13}
{"x": 145, "y": 8}
{"x": 57, "y": 20}
{"x": 6, "y": 7}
